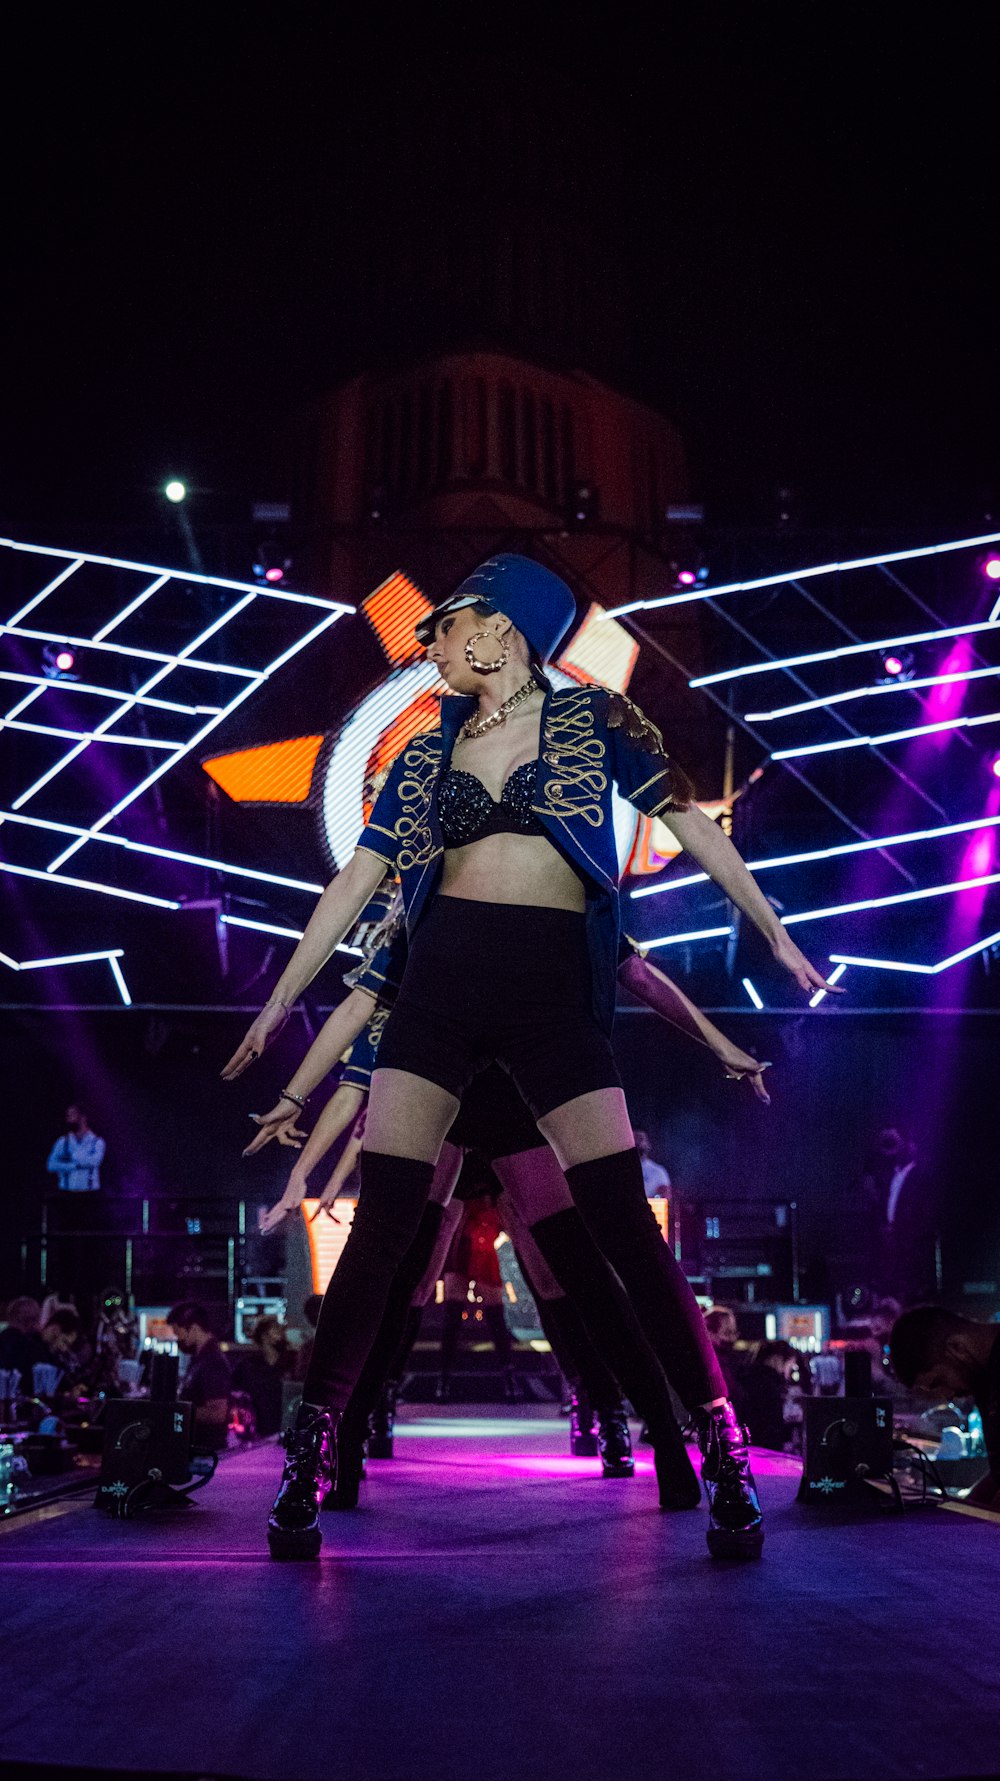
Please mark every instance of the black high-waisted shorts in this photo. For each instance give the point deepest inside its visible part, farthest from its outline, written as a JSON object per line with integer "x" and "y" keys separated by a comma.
{"x": 505, "y": 983}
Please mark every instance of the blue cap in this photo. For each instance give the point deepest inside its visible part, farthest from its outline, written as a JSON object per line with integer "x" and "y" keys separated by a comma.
{"x": 536, "y": 601}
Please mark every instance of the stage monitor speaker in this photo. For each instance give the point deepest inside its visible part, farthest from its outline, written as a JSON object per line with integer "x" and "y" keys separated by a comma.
{"x": 145, "y": 1444}
{"x": 847, "y": 1440}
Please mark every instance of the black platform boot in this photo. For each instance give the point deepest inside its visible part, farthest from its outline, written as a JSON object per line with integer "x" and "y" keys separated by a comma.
{"x": 383, "y": 1423}
{"x": 676, "y": 1477}
{"x": 582, "y": 1439}
{"x": 310, "y": 1460}
{"x": 614, "y": 1442}
{"x": 350, "y": 1467}
{"x": 735, "y": 1526}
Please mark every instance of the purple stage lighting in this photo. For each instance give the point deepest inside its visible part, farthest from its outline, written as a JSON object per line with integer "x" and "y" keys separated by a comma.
{"x": 991, "y": 566}
{"x": 995, "y": 766}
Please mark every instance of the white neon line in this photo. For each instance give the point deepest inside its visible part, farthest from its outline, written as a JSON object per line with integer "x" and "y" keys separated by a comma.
{"x": 294, "y": 648}
{"x": 828, "y": 853}
{"x": 71, "y": 958}
{"x": 199, "y": 736}
{"x": 37, "y": 599}
{"x": 741, "y": 587}
{"x": 267, "y": 927}
{"x": 995, "y": 614}
{"x": 866, "y": 692}
{"x": 678, "y": 939}
{"x": 12, "y": 963}
{"x": 752, "y": 993}
{"x": 180, "y": 749}
{"x": 7, "y": 723}
{"x": 184, "y": 576}
{"x": 133, "y": 606}
{"x": 914, "y": 896}
{"x": 956, "y": 958}
{"x": 123, "y": 649}
{"x": 41, "y": 682}
{"x": 843, "y": 649}
{"x": 951, "y": 723}
{"x": 834, "y": 977}
{"x": 117, "y": 974}
{"x": 29, "y": 698}
{"x": 163, "y": 853}
{"x": 64, "y": 761}
{"x": 109, "y": 890}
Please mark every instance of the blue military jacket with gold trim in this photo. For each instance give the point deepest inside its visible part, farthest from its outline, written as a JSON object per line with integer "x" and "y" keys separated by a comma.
{"x": 591, "y": 741}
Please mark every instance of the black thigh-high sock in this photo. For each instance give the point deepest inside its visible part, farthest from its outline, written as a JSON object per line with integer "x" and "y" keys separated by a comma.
{"x": 608, "y": 1192}
{"x": 393, "y": 1195}
{"x": 576, "y": 1353}
{"x": 450, "y": 1330}
{"x": 411, "y": 1330}
{"x": 609, "y": 1324}
{"x": 389, "y": 1337}
{"x": 496, "y": 1323}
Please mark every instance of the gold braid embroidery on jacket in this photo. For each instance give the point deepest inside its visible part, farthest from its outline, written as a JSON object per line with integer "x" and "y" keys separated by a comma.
{"x": 641, "y": 732}
{"x": 575, "y": 755}
{"x": 412, "y": 829}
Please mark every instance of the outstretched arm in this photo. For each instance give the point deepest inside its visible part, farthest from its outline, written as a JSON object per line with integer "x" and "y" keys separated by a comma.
{"x": 715, "y": 854}
{"x": 660, "y": 993}
{"x": 339, "y": 906}
{"x": 333, "y": 1039}
{"x": 340, "y": 1111}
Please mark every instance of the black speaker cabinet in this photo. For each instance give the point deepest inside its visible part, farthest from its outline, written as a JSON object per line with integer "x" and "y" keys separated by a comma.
{"x": 143, "y": 1442}
{"x": 846, "y": 1441}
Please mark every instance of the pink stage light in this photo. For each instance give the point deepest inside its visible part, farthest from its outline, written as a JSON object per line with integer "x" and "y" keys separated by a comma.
{"x": 65, "y": 660}
{"x": 274, "y": 574}
{"x": 995, "y": 766}
{"x": 991, "y": 567}
{"x": 893, "y": 665}
{"x": 686, "y": 578}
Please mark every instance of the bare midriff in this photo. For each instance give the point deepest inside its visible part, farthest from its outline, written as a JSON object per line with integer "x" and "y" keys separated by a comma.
{"x": 512, "y": 869}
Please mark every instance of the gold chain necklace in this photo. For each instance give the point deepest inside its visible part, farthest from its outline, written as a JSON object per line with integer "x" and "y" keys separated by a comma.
{"x": 474, "y": 726}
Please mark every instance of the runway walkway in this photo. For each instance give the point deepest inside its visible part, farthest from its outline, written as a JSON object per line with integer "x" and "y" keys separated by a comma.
{"x": 496, "y": 1609}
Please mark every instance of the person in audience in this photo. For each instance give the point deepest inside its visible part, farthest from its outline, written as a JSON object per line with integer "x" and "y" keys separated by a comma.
{"x": 206, "y": 1384}
{"x": 942, "y": 1355}
{"x": 21, "y": 1345}
{"x": 765, "y": 1389}
{"x": 261, "y": 1373}
{"x": 724, "y": 1333}
{"x": 655, "y": 1179}
{"x": 67, "y": 1348}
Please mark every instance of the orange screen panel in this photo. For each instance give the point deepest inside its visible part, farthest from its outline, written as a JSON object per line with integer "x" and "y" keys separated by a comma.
{"x": 327, "y": 1234}
{"x": 393, "y": 611}
{"x": 277, "y": 773}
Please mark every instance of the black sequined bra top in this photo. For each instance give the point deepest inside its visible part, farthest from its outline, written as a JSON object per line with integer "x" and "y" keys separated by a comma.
{"x": 468, "y": 813}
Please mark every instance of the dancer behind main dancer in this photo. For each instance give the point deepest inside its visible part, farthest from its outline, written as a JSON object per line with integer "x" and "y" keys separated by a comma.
{"x": 582, "y": 1303}
{"x": 512, "y": 912}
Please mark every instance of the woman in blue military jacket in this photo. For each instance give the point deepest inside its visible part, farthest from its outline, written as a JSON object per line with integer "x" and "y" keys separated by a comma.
{"x": 500, "y": 828}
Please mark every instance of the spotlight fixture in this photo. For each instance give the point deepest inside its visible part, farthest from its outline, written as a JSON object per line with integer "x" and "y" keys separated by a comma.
{"x": 691, "y": 572}
{"x": 271, "y": 561}
{"x": 990, "y": 566}
{"x": 897, "y": 664}
{"x": 995, "y": 766}
{"x": 175, "y": 490}
{"x": 58, "y": 661}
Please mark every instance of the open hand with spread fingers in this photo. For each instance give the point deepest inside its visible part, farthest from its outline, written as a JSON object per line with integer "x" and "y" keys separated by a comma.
{"x": 280, "y": 1123}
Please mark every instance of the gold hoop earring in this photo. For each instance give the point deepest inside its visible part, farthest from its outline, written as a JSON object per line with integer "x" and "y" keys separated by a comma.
{"x": 485, "y": 667}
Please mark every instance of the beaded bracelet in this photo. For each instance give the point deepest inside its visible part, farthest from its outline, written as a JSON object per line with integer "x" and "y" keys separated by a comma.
{"x": 287, "y": 1095}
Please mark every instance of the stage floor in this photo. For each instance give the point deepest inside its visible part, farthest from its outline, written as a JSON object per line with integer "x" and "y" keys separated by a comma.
{"x": 496, "y": 1609}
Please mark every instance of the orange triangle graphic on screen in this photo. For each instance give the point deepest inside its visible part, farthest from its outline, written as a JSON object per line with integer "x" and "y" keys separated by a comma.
{"x": 277, "y": 773}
